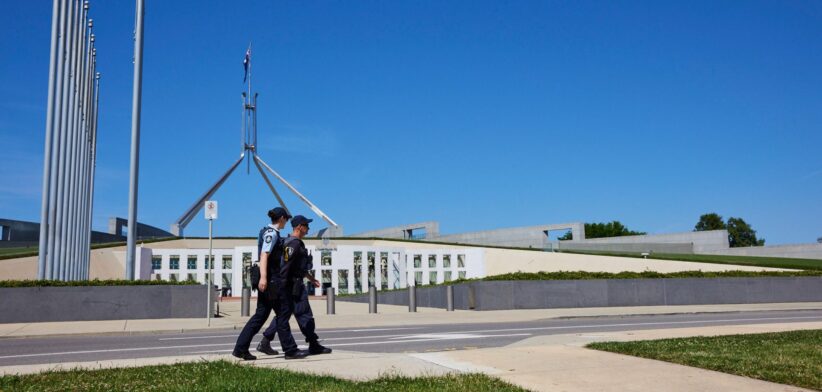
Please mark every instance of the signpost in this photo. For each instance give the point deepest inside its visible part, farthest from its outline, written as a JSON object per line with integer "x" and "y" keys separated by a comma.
{"x": 211, "y": 215}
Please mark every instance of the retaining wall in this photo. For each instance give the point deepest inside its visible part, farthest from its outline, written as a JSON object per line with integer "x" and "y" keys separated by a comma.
{"x": 546, "y": 294}
{"x": 83, "y": 303}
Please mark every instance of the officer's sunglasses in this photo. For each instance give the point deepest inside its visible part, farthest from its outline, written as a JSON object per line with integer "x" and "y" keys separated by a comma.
{"x": 306, "y": 227}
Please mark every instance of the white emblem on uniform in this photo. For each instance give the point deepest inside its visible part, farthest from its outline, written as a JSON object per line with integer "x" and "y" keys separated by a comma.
{"x": 267, "y": 239}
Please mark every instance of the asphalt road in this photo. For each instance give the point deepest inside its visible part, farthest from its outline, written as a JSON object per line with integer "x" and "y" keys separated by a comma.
{"x": 52, "y": 350}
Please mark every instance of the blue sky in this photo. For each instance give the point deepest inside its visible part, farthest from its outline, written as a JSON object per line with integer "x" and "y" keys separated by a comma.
{"x": 478, "y": 114}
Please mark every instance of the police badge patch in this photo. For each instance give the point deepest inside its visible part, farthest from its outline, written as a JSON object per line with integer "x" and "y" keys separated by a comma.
{"x": 267, "y": 239}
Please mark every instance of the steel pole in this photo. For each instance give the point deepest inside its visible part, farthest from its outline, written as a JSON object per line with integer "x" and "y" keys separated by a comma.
{"x": 330, "y": 297}
{"x": 59, "y": 140}
{"x": 93, "y": 161}
{"x": 61, "y": 246}
{"x": 372, "y": 299}
{"x": 449, "y": 298}
{"x": 210, "y": 262}
{"x": 412, "y": 298}
{"x": 44, "y": 206}
{"x": 135, "y": 139}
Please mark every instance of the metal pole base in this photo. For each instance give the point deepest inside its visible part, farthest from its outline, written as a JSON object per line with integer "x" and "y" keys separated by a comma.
{"x": 372, "y": 299}
{"x": 245, "y": 305}
{"x": 449, "y": 298}
{"x": 412, "y": 299}
{"x": 330, "y": 298}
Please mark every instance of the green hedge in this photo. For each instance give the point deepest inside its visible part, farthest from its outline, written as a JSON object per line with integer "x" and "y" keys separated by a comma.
{"x": 95, "y": 282}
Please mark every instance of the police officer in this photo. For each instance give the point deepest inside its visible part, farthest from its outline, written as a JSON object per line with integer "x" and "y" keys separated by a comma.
{"x": 269, "y": 244}
{"x": 295, "y": 266}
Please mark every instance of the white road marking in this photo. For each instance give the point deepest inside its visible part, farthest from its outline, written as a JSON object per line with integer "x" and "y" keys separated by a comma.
{"x": 320, "y": 331}
{"x": 457, "y": 334}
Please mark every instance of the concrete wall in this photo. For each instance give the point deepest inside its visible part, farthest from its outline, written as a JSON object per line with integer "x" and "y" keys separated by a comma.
{"x": 547, "y": 294}
{"x": 629, "y": 248}
{"x": 799, "y": 251}
{"x": 520, "y": 237}
{"x": 432, "y": 230}
{"x": 701, "y": 240}
{"x": 20, "y": 234}
{"x": 40, "y": 304}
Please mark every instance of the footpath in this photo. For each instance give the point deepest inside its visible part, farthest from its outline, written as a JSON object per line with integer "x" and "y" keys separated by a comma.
{"x": 541, "y": 363}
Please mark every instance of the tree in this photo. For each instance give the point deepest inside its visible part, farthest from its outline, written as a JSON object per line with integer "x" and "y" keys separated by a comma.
{"x": 602, "y": 230}
{"x": 710, "y": 221}
{"x": 740, "y": 234}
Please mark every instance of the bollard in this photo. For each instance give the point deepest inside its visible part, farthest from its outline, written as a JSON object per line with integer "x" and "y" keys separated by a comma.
{"x": 245, "y": 305}
{"x": 449, "y": 298}
{"x": 329, "y": 298}
{"x": 412, "y": 299}
{"x": 372, "y": 299}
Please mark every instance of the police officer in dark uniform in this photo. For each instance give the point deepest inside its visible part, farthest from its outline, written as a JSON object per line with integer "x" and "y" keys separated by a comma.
{"x": 295, "y": 266}
{"x": 270, "y": 247}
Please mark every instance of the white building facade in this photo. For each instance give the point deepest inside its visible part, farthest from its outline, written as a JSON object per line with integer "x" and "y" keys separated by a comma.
{"x": 349, "y": 269}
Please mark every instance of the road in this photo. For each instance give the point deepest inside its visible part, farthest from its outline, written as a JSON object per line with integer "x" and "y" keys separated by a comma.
{"x": 63, "y": 349}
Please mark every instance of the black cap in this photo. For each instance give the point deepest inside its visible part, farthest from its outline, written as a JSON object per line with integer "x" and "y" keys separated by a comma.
{"x": 300, "y": 220}
{"x": 277, "y": 213}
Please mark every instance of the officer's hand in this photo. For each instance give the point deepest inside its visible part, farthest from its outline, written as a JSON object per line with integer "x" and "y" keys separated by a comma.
{"x": 316, "y": 283}
{"x": 262, "y": 285}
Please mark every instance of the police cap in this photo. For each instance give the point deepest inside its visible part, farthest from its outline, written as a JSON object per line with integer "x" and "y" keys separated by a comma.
{"x": 300, "y": 220}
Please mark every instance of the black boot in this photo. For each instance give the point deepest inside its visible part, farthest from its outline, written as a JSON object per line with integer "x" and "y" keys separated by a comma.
{"x": 296, "y": 354}
{"x": 246, "y": 356}
{"x": 315, "y": 348}
{"x": 265, "y": 347}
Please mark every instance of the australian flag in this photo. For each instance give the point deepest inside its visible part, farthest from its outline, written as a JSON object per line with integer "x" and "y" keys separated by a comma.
{"x": 246, "y": 62}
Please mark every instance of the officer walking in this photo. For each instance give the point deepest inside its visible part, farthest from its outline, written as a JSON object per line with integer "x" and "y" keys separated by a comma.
{"x": 295, "y": 266}
{"x": 270, "y": 248}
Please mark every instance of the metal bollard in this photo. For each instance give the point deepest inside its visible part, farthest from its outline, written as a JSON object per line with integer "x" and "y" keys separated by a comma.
{"x": 245, "y": 304}
{"x": 449, "y": 298}
{"x": 329, "y": 300}
{"x": 412, "y": 299}
{"x": 372, "y": 299}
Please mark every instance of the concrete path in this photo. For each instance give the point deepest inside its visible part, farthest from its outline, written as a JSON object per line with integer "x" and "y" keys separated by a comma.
{"x": 555, "y": 362}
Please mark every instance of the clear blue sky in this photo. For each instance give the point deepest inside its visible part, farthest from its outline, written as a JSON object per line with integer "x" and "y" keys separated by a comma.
{"x": 478, "y": 114}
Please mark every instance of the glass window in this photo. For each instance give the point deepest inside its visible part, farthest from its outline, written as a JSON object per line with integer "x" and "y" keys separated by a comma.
{"x": 226, "y": 281}
{"x": 191, "y": 277}
{"x": 384, "y": 270}
{"x": 325, "y": 257}
{"x": 462, "y": 275}
{"x": 358, "y": 272}
{"x": 460, "y": 261}
{"x": 227, "y": 262}
{"x": 432, "y": 277}
{"x": 447, "y": 276}
{"x": 418, "y": 278}
{"x": 446, "y": 261}
{"x": 174, "y": 277}
{"x": 156, "y": 277}
{"x": 156, "y": 262}
{"x": 192, "y": 263}
{"x": 326, "y": 278}
{"x": 174, "y": 262}
{"x": 342, "y": 281}
{"x": 209, "y": 261}
{"x": 371, "y": 269}
{"x": 417, "y": 261}
{"x": 432, "y": 261}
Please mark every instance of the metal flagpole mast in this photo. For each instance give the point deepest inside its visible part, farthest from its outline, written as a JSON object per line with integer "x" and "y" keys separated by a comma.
{"x": 59, "y": 140}
{"x": 135, "y": 139}
{"x": 65, "y": 151}
{"x": 44, "y": 206}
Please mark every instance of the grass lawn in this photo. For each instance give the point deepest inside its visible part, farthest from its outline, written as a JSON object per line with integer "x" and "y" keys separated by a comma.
{"x": 775, "y": 262}
{"x": 228, "y": 376}
{"x": 793, "y": 358}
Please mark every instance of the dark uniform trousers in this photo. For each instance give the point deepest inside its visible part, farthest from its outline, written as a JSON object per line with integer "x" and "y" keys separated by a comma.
{"x": 301, "y": 309}
{"x": 265, "y": 304}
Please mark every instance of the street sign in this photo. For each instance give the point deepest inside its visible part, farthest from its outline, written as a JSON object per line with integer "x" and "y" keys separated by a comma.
{"x": 211, "y": 209}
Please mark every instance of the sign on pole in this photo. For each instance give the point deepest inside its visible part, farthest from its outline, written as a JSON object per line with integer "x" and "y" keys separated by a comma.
{"x": 211, "y": 215}
{"x": 211, "y": 210}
